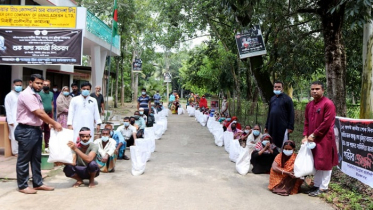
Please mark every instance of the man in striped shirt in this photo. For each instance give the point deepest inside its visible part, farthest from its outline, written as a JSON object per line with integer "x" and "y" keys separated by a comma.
{"x": 144, "y": 102}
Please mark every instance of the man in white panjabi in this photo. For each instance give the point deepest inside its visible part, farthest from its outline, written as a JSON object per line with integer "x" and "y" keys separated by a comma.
{"x": 11, "y": 112}
{"x": 83, "y": 112}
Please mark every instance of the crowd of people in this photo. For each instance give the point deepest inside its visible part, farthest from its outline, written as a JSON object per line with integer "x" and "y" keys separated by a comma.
{"x": 34, "y": 111}
{"x": 272, "y": 152}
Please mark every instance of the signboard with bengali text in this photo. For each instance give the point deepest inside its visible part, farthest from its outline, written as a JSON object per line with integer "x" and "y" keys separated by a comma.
{"x": 38, "y": 16}
{"x": 41, "y": 46}
{"x": 355, "y": 148}
{"x": 250, "y": 43}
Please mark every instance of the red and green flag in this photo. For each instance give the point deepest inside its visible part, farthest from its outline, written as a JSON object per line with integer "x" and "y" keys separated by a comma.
{"x": 115, "y": 19}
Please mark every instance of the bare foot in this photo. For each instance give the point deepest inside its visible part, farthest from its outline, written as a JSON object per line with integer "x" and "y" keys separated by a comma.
{"x": 77, "y": 184}
{"x": 91, "y": 185}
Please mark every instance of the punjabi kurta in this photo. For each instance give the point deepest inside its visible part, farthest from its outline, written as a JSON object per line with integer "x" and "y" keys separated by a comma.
{"x": 11, "y": 100}
{"x": 280, "y": 117}
{"x": 83, "y": 112}
{"x": 319, "y": 120}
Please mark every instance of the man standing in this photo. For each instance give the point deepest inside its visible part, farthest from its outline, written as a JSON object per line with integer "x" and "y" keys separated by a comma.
{"x": 56, "y": 93}
{"x": 30, "y": 116}
{"x": 319, "y": 128}
{"x": 100, "y": 100}
{"x": 47, "y": 100}
{"x": 280, "y": 119}
{"x": 75, "y": 89}
{"x": 144, "y": 102}
{"x": 83, "y": 112}
{"x": 11, "y": 100}
{"x": 157, "y": 97}
{"x": 128, "y": 132}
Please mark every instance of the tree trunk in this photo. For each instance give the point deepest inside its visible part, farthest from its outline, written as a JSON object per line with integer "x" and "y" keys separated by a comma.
{"x": 366, "y": 101}
{"x": 255, "y": 100}
{"x": 133, "y": 77}
{"x": 116, "y": 86}
{"x": 288, "y": 89}
{"x": 335, "y": 56}
{"x": 122, "y": 85}
{"x": 248, "y": 84}
{"x": 262, "y": 78}
{"x": 238, "y": 86}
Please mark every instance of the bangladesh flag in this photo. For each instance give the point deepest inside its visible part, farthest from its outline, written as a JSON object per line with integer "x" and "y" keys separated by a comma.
{"x": 115, "y": 19}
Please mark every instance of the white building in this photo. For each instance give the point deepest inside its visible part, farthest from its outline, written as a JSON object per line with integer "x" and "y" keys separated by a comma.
{"x": 96, "y": 44}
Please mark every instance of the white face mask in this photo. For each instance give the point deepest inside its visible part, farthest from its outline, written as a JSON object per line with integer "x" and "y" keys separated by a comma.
{"x": 84, "y": 143}
{"x": 55, "y": 89}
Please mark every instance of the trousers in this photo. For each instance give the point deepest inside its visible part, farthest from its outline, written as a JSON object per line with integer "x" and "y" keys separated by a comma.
{"x": 47, "y": 132}
{"x": 322, "y": 179}
{"x": 82, "y": 171}
{"x": 29, "y": 151}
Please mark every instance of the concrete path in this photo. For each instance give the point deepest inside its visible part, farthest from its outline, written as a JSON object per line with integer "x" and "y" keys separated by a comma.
{"x": 187, "y": 171}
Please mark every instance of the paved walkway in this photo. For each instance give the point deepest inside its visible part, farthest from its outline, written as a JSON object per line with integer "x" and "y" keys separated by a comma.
{"x": 187, "y": 171}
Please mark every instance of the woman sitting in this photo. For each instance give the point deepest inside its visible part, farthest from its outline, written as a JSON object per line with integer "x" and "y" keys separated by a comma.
{"x": 281, "y": 179}
{"x": 263, "y": 155}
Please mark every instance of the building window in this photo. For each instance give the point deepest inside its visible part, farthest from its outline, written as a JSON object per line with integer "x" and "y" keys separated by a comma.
{"x": 58, "y": 79}
{"x": 27, "y": 72}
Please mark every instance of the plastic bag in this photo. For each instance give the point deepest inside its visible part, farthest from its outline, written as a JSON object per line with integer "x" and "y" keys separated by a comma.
{"x": 158, "y": 128}
{"x": 304, "y": 164}
{"x": 228, "y": 136}
{"x": 243, "y": 165}
{"x": 180, "y": 111}
{"x": 219, "y": 137}
{"x": 149, "y": 135}
{"x": 138, "y": 159}
{"x": 58, "y": 149}
{"x": 234, "y": 148}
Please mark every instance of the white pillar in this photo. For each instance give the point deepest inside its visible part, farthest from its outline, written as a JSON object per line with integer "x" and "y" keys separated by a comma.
{"x": 17, "y": 73}
{"x": 97, "y": 70}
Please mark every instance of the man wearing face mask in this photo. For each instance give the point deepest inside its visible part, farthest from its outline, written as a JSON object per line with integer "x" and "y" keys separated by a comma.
{"x": 56, "y": 93}
{"x": 203, "y": 102}
{"x": 120, "y": 142}
{"x": 106, "y": 156}
{"x": 128, "y": 131}
{"x": 30, "y": 117}
{"x": 10, "y": 102}
{"x": 142, "y": 114}
{"x": 144, "y": 102}
{"x": 280, "y": 119}
{"x": 100, "y": 100}
{"x": 83, "y": 112}
{"x": 141, "y": 123}
{"x": 48, "y": 104}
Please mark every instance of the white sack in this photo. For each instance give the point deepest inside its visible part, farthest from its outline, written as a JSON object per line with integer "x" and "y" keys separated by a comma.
{"x": 144, "y": 145}
{"x": 243, "y": 165}
{"x": 304, "y": 164}
{"x": 58, "y": 149}
{"x": 228, "y": 136}
{"x": 180, "y": 111}
{"x": 158, "y": 128}
{"x": 234, "y": 147}
{"x": 219, "y": 137}
{"x": 138, "y": 159}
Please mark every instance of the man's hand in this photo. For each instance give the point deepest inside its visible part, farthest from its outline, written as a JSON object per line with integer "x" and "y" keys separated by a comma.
{"x": 311, "y": 138}
{"x": 71, "y": 145}
{"x": 304, "y": 140}
{"x": 11, "y": 124}
{"x": 290, "y": 131}
{"x": 105, "y": 158}
{"x": 70, "y": 127}
{"x": 57, "y": 126}
{"x": 116, "y": 151}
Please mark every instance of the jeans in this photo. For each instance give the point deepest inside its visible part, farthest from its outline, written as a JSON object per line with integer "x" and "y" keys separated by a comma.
{"x": 29, "y": 150}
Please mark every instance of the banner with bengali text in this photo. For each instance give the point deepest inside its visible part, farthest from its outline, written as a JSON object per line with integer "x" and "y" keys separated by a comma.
{"x": 355, "y": 148}
{"x": 38, "y": 16}
{"x": 39, "y": 47}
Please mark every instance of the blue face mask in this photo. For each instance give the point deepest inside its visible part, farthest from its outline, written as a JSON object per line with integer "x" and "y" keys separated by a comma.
{"x": 287, "y": 152}
{"x": 85, "y": 92}
{"x": 311, "y": 145}
{"x": 265, "y": 142}
{"x": 256, "y": 132}
{"x": 18, "y": 88}
{"x": 228, "y": 119}
{"x": 65, "y": 93}
{"x": 111, "y": 133}
{"x": 105, "y": 138}
{"x": 84, "y": 143}
{"x": 141, "y": 113}
{"x": 277, "y": 92}
{"x": 126, "y": 124}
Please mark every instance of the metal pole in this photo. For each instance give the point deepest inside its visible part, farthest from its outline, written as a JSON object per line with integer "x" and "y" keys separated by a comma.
{"x": 108, "y": 75}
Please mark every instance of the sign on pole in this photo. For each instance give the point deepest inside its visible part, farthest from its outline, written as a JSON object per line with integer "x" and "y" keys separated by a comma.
{"x": 354, "y": 138}
{"x": 250, "y": 43}
{"x": 41, "y": 46}
{"x": 38, "y": 16}
{"x": 137, "y": 65}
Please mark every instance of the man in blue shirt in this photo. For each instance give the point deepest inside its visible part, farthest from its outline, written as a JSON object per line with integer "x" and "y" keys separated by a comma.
{"x": 121, "y": 144}
{"x": 144, "y": 102}
{"x": 157, "y": 97}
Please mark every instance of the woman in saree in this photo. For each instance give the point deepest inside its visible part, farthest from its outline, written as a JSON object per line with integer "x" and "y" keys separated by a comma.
{"x": 263, "y": 155}
{"x": 281, "y": 179}
{"x": 63, "y": 103}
